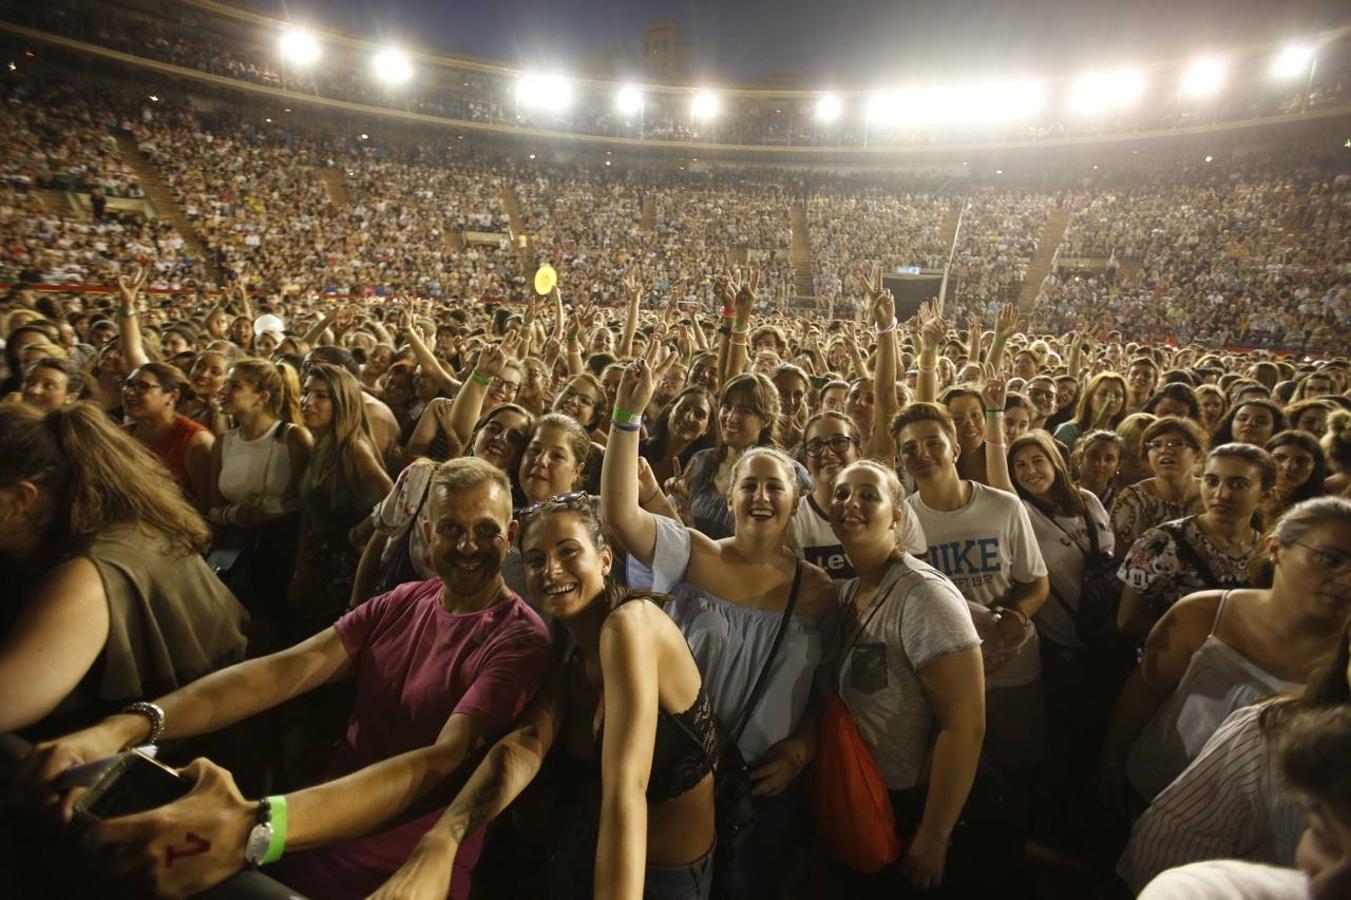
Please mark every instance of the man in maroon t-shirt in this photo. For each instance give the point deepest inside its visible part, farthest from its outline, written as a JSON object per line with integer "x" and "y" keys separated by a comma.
{"x": 442, "y": 667}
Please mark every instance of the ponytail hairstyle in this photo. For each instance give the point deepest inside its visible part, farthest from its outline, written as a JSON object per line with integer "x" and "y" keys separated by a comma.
{"x": 90, "y": 476}
{"x": 278, "y": 380}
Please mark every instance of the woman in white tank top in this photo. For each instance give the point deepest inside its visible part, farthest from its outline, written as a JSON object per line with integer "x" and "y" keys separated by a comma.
{"x": 255, "y": 468}
{"x": 1216, "y": 651}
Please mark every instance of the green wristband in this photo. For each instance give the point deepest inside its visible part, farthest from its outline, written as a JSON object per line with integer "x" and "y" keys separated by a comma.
{"x": 620, "y": 414}
{"x": 277, "y": 805}
{"x": 480, "y": 378}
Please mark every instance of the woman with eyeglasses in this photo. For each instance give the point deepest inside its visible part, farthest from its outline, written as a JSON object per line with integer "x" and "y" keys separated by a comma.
{"x": 1218, "y": 650}
{"x": 445, "y": 426}
{"x": 150, "y": 396}
{"x": 1301, "y": 470}
{"x": 734, "y": 595}
{"x": 1205, "y": 551}
{"x": 831, "y": 443}
{"x": 1172, "y": 446}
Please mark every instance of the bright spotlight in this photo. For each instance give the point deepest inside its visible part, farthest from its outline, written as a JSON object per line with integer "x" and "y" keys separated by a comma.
{"x": 1099, "y": 92}
{"x": 884, "y": 108}
{"x": 544, "y": 92}
{"x": 392, "y": 66}
{"x": 629, "y": 100}
{"x": 704, "y": 106}
{"x": 1203, "y": 77}
{"x": 298, "y": 46}
{"x": 1292, "y": 61}
{"x": 828, "y": 109}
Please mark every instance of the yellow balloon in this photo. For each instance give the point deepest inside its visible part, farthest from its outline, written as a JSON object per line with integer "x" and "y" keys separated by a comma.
{"x": 545, "y": 280}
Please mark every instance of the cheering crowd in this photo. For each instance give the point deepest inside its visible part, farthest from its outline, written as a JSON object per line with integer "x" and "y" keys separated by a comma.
{"x": 643, "y": 584}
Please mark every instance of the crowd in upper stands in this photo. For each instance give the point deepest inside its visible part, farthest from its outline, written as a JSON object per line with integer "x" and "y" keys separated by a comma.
{"x": 449, "y": 582}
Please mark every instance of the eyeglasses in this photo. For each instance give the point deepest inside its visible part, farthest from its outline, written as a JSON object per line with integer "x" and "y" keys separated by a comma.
{"x": 578, "y": 397}
{"x": 510, "y": 387}
{"x": 562, "y": 501}
{"x": 838, "y": 444}
{"x": 140, "y": 387}
{"x": 1041, "y": 395}
{"x": 514, "y": 437}
{"x": 1330, "y": 562}
{"x": 1169, "y": 445}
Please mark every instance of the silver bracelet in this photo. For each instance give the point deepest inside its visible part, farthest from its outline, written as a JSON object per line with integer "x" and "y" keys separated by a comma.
{"x": 152, "y": 712}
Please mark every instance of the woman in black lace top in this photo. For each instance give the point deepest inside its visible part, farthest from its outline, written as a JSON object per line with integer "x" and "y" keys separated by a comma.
{"x": 630, "y": 698}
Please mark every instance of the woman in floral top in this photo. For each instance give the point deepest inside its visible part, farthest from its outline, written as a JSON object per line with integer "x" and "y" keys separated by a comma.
{"x": 1173, "y": 447}
{"x": 1207, "y": 551}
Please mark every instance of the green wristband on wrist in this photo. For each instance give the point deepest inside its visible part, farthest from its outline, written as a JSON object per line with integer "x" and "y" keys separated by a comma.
{"x": 625, "y": 417}
{"x": 277, "y": 804}
{"x": 479, "y": 378}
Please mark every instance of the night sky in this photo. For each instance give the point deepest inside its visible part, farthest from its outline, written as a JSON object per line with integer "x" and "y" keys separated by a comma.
{"x": 830, "y": 43}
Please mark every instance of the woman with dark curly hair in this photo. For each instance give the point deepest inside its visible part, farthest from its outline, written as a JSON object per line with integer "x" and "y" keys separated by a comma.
{"x": 107, "y": 597}
{"x": 1252, "y": 421}
{"x": 1301, "y": 469}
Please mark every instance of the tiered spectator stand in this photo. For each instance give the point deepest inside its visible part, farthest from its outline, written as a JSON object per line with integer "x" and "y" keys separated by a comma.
{"x": 61, "y": 204}
{"x": 1052, "y": 233}
{"x": 511, "y": 204}
{"x": 335, "y": 182}
{"x": 801, "y": 256}
{"x": 161, "y": 198}
{"x": 648, "y": 222}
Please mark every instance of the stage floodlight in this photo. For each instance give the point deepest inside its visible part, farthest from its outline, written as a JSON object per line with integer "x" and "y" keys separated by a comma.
{"x": 545, "y": 92}
{"x": 1293, "y": 61}
{"x": 629, "y": 100}
{"x": 828, "y": 109}
{"x": 299, "y": 47}
{"x": 392, "y": 66}
{"x": 704, "y": 106}
{"x": 1106, "y": 91}
{"x": 1203, "y": 77}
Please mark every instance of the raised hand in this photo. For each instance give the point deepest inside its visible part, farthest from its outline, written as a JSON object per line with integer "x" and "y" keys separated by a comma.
{"x": 881, "y": 304}
{"x": 745, "y": 295}
{"x": 130, "y": 288}
{"x": 1007, "y": 321}
{"x": 933, "y": 327}
{"x": 637, "y": 385}
{"x": 993, "y": 389}
{"x": 495, "y": 356}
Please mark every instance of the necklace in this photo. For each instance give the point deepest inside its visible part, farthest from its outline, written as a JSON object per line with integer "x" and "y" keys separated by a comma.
{"x": 1231, "y": 546}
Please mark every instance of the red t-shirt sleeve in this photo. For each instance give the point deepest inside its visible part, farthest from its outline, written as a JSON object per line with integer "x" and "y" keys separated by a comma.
{"x": 513, "y": 672}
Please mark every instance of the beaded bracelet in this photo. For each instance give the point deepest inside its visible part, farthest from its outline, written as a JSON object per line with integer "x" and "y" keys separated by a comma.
{"x": 890, "y": 328}
{"x": 999, "y": 446}
{"x": 479, "y": 378}
{"x": 624, "y": 426}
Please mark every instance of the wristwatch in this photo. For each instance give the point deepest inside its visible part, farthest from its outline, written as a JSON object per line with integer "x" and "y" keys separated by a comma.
{"x": 260, "y": 838}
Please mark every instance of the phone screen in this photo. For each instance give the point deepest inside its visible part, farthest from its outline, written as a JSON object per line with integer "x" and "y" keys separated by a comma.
{"x": 137, "y": 785}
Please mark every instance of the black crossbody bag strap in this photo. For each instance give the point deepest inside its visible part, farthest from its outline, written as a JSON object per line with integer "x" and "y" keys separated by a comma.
{"x": 763, "y": 678}
{"x": 1187, "y": 553}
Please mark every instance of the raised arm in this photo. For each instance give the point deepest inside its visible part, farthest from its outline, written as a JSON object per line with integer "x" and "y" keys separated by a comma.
{"x": 128, "y": 323}
{"x": 1076, "y": 360}
{"x": 932, "y": 330}
{"x": 431, "y": 366}
{"x": 633, "y": 294}
{"x": 994, "y": 391}
{"x": 583, "y": 322}
{"x": 628, "y": 660}
{"x": 1005, "y": 324}
{"x": 632, "y": 526}
{"x": 882, "y": 306}
{"x": 468, "y": 404}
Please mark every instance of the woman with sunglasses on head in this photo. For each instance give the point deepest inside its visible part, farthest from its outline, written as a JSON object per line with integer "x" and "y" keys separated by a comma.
{"x": 624, "y": 741}
{"x": 735, "y": 595}
{"x": 1172, "y": 447}
{"x": 1205, "y": 551}
{"x": 1218, "y": 650}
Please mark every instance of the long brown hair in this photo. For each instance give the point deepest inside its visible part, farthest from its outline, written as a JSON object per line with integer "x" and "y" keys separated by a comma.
{"x": 334, "y": 461}
{"x": 278, "y": 380}
{"x": 91, "y": 476}
{"x": 1063, "y": 498}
